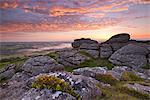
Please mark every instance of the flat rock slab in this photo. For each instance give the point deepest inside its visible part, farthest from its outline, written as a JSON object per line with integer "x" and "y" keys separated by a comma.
{"x": 46, "y": 94}
{"x": 41, "y": 64}
{"x": 90, "y": 72}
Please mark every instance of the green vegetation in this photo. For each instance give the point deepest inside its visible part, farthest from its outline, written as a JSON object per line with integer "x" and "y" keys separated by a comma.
{"x": 54, "y": 83}
{"x": 112, "y": 93}
{"x": 53, "y": 55}
{"x": 92, "y": 62}
{"x": 135, "y": 93}
{"x": 107, "y": 78}
{"x": 69, "y": 68}
{"x": 97, "y": 63}
{"x": 82, "y": 52}
{"x": 13, "y": 60}
{"x": 130, "y": 76}
{"x": 2, "y": 79}
{"x": 146, "y": 66}
{"x": 120, "y": 92}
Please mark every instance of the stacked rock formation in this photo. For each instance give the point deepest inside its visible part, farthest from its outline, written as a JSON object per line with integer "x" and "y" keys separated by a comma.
{"x": 119, "y": 49}
{"x": 89, "y": 46}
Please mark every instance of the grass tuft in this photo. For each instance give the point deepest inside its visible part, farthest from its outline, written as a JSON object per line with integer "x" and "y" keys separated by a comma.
{"x": 53, "y": 55}
{"x": 106, "y": 78}
{"x": 132, "y": 92}
{"x": 130, "y": 76}
{"x": 97, "y": 63}
{"x": 146, "y": 66}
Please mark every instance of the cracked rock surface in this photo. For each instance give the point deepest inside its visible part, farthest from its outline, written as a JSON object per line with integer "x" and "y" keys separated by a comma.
{"x": 41, "y": 64}
{"x": 131, "y": 55}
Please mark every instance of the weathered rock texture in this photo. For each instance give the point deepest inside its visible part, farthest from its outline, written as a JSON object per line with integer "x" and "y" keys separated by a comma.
{"x": 131, "y": 55}
{"x": 113, "y": 44}
{"x": 139, "y": 88}
{"x": 78, "y": 42}
{"x": 46, "y": 94}
{"x": 123, "y": 37}
{"x": 86, "y": 87}
{"x": 71, "y": 58}
{"x": 41, "y": 64}
{"x": 87, "y": 45}
{"x": 7, "y": 72}
{"x": 116, "y": 72}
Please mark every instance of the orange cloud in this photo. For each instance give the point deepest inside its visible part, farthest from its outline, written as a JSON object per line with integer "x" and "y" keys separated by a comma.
{"x": 6, "y": 4}
{"x": 40, "y": 27}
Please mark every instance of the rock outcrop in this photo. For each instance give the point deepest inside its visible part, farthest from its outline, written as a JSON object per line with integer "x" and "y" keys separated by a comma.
{"x": 71, "y": 58}
{"x": 78, "y": 42}
{"x": 7, "y": 72}
{"x": 90, "y": 72}
{"x": 15, "y": 88}
{"x": 131, "y": 55}
{"x": 119, "y": 38}
{"x": 41, "y": 64}
{"x": 46, "y": 94}
{"x": 116, "y": 72}
{"x": 113, "y": 44}
{"x": 139, "y": 88}
{"x": 87, "y": 45}
{"x": 105, "y": 51}
{"x": 86, "y": 87}
{"x": 88, "y": 83}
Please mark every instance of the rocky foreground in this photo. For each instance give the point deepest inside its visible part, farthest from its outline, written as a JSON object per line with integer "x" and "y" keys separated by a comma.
{"x": 118, "y": 69}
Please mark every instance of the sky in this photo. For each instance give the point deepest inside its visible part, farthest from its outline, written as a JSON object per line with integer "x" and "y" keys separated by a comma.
{"x": 66, "y": 20}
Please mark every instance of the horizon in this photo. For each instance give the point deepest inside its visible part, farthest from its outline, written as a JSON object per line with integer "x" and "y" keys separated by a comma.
{"x": 64, "y": 20}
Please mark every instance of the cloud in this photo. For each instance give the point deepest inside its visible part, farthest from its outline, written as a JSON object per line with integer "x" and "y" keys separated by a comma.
{"x": 62, "y": 15}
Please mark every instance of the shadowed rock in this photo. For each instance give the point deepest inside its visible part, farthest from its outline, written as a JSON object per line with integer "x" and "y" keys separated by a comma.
{"x": 131, "y": 55}
{"x": 113, "y": 44}
{"x": 123, "y": 37}
{"x": 87, "y": 45}
{"x": 78, "y": 42}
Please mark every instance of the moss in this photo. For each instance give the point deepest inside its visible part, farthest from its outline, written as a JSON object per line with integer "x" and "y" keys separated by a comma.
{"x": 54, "y": 83}
{"x": 107, "y": 78}
{"x": 97, "y": 63}
{"x": 53, "y": 55}
{"x": 130, "y": 76}
{"x": 69, "y": 68}
{"x": 135, "y": 93}
{"x": 146, "y": 66}
{"x": 2, "y": 79}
